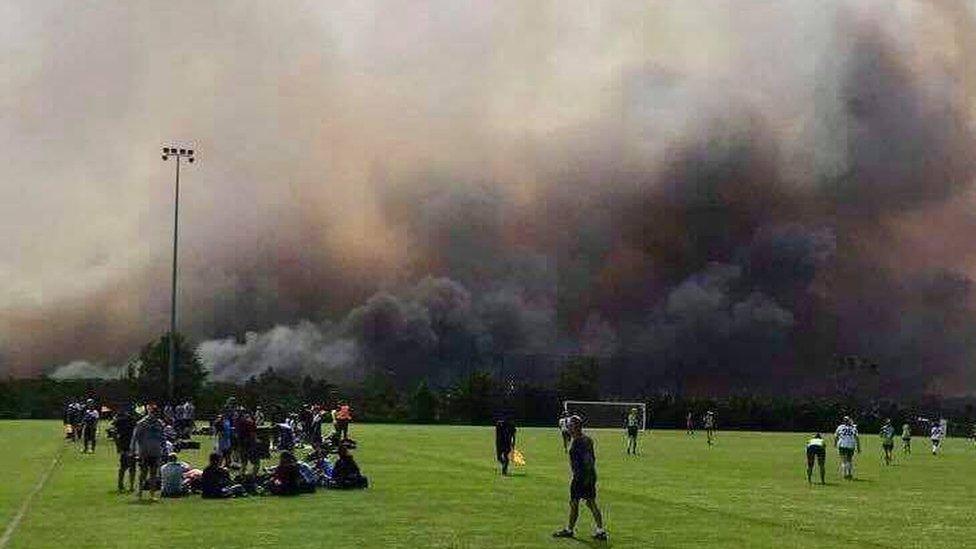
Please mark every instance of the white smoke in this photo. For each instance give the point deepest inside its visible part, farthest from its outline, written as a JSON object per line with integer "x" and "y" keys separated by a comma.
{"x": 305, "y": 349}
{"x": 82, "y": 369}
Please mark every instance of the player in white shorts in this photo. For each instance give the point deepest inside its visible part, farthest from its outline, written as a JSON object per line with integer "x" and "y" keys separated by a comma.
{"x": 936, "y": 437}
{"x": 564, "y": 429}
{"x": 847, "y": 442}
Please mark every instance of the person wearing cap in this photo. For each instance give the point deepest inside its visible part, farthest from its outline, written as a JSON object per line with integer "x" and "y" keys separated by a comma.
{"x": 816, "y": 452}
{"x": 582, "y": 461}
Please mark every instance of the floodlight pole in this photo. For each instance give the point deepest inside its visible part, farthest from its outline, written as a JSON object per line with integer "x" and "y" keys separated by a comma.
{"x": 179, "y": 154}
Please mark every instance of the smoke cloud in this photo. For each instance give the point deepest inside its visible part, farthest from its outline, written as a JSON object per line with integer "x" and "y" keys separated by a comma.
{"x": 729, "y": 194}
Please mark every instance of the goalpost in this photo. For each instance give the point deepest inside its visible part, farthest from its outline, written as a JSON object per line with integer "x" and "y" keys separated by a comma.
{"x": 606, "y": 414}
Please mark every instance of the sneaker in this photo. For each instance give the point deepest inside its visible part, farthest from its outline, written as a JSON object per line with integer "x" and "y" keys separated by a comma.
{"x": 600, "y": 535}
{"x": 563, "y": 533}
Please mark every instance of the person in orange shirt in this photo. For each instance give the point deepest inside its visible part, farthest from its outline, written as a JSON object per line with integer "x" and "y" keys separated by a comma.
{"x": 343, "y": 418}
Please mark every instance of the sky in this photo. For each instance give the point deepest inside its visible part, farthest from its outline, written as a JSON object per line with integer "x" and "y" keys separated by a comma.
{"x": 674, "y": 180}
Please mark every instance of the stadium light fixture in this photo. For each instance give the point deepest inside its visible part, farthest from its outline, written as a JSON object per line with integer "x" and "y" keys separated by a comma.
{"x": 178, "y": 154}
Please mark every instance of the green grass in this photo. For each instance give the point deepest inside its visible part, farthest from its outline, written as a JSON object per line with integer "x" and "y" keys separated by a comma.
{"x": 438, "y": 487}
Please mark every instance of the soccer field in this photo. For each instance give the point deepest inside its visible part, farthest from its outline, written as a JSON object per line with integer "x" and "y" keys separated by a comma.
{"x": 438, "y": 486}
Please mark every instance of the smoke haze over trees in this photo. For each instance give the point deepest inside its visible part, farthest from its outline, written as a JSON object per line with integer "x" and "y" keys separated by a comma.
{"x": 734, "y": 195}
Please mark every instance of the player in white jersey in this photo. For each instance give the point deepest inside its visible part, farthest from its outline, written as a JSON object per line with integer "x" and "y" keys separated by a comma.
{"x": 936, "y": 436}
{"x": 709, "y": 422}
{"x": 847, "y": 442}
{"x": 564, "y": 429}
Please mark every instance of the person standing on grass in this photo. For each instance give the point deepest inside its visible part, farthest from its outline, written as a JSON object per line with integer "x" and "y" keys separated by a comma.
{"x": 90, "y": 425}
{"x": 937, "y": 434}
{"x": 124, "y": 424}
{"x": 816, "y": 451}
{"x": 906, "y": 438}
{"x": 690, "y": 424}
{"x": 710, "y": 427}
{"x": 847, "y": 442}
{"x": 633, "y": 426}
{"x": 343, "y": 419}
{"x": 582, "y": 461}
{"x": 564, "y": 429}
{"x": 887, "y": 440}
{"x": 504, "y": 442}
{"x": 147, "y": 443}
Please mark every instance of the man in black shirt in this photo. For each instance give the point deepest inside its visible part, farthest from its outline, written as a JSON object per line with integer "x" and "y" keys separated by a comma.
{"x": 582, "y": 460}
{"x": 124, "y": 423}
{"x": 504, "y": 442}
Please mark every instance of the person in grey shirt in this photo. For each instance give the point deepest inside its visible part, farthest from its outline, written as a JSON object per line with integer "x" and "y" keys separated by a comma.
{"x": 147, "y": 444}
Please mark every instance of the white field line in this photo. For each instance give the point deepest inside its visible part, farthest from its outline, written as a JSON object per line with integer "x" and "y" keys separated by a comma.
{"x": 8, "y": 533}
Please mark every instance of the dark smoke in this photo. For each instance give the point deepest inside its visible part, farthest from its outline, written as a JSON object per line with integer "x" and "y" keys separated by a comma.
{"x": 727, "y": 225}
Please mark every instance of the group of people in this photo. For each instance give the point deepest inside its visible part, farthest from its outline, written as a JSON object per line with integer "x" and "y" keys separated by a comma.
{"x": 148, "y": 438}
{"x": 708, "y": 422}
{"x": 81, "y": 423}
{"x": 848, "y": 443}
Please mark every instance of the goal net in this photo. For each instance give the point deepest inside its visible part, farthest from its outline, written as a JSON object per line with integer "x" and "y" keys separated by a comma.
{"x": 606, "y": 414}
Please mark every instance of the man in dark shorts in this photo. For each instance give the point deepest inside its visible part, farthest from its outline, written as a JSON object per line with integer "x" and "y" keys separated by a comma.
{"x": 89, "y": 420}
{"x": 147, "y": 443}
{"x": 633, "y": 426}
{"x": 250, "y": 451}
{"x": 816, "y": 452}
{"x": 504, "y": 442}
{"x": 582, "y": 460}
{"x": 124, "y": 423}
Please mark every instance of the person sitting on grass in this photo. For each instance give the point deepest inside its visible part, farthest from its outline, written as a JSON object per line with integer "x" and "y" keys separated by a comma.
{"x": 346, "y": 473}
{"x": 287, "y": 479}
{"x": 215, "y": 482}
{"x": 171, "y": 477}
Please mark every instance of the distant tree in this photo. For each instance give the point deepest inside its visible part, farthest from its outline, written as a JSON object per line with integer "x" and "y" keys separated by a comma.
{"x": 475, "y": 398}
{"x": 381, "y": 400}
{"x": 423, "y": 404}
{"x": 271, "y": 389}
{"x": 152, "y": 377}
{"x": 579, "y": 379}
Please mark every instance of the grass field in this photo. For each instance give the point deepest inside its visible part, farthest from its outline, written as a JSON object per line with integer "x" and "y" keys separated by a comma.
{"x": 438, "y": 487}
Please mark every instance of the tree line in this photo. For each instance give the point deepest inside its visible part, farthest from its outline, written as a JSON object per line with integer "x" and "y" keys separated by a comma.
{"x": 477, "y": 398}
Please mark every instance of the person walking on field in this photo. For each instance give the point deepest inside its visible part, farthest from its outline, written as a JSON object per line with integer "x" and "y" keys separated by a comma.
{"x": 504, "y": 442}
{"x": 847, "y": 442}
{"x": 710, "y": 427}
{"x": 582, "y": 461}
{"x": 906, "y": 439}
{"x": 887, "y": 440}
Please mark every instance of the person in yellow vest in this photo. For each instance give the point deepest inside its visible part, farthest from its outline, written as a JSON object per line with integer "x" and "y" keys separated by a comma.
{"x": 343, "y": 418}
